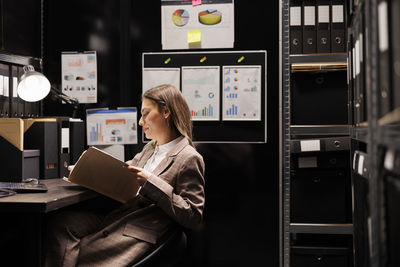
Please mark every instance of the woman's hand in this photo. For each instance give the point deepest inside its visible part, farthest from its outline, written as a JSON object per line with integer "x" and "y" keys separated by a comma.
{"x": 70, "y": 168}
{"x": 141, "y": 174}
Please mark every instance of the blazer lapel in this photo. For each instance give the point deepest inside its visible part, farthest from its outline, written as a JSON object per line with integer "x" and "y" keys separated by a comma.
{"x": 170, "y": 157}
{"x": 147, "y": 152}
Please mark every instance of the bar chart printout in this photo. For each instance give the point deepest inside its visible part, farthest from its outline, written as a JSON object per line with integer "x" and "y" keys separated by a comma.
{"x": 241, "y": 99}
{"x": 200, "y": 87}
{"x": 110, "y": 127}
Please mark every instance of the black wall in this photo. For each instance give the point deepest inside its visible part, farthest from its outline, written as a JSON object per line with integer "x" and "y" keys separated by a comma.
{"x": 241, "y": 226}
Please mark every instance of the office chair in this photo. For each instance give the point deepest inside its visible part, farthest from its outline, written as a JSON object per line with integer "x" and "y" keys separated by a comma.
{"x": 168, "y": 253}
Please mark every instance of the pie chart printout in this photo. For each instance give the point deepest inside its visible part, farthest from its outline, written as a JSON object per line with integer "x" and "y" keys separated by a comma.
{"x": 210, "y": 17}
{"x": 180, "y": 17}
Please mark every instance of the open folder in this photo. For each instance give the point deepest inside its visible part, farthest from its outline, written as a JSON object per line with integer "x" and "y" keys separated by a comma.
{"x": 105, "y": 174}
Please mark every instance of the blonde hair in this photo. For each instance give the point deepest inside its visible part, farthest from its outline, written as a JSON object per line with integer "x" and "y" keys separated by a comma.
{"x": 167, "y": 96}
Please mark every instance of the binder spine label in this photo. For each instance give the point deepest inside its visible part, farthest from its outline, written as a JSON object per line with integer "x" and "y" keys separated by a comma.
{"x": 309, "y": 16}
{"x": 337, "y": 14}
{"x": 383, "y": 27}
{"x": 323, "y": 14}
{"x": 295, "y": 16}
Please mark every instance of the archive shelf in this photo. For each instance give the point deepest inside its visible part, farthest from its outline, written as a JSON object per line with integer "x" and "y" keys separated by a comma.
{"x": 318, "y": 62}
{"x": 321, "y": 228}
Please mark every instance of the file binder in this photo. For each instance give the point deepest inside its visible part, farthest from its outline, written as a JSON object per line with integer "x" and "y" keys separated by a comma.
{"x": 337, "y": 26}
{"x": 350, "y": 80}
{"x": 43, "y": 135}
{"x": 309, "y": 27}
{"x": 361, "y": 42}
{"x": 296, "y": 32}
{"x": 323, "y": 27}
{"x": 17, "y": 105}
{"x": 64, "y": 145}
{"x": 5, "y": 72}
{"x": 358, "y": 92}
{"x": 77, "y": 135}
{"x": 2, "y": 97}
{"x": 395, "y": 35}
{"x": 384, "y": 72}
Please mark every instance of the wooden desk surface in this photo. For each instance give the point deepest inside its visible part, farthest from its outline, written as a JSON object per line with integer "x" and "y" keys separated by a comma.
{"x": 60, "y": 194}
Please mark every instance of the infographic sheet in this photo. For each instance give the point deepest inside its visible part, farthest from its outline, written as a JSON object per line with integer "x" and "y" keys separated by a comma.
{"x": 241, "y": 93}
{"x": 200, "y": 87}
{"x": 79, "y": 76}
{"x": 157, "y": 76}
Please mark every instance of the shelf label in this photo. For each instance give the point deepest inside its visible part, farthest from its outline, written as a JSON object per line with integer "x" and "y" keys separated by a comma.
{"x": 310, "y": 145}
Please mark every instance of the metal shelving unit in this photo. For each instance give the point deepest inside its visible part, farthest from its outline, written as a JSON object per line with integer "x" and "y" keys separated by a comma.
{"x": 290, "y": 64}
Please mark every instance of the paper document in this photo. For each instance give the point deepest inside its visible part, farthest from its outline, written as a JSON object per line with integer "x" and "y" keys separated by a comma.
{"x": 101, "y": 172}
{"x": 79, "y": 75}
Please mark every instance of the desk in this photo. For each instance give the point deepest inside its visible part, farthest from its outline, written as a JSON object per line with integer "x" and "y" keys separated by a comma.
{"x": 34, "y": 206}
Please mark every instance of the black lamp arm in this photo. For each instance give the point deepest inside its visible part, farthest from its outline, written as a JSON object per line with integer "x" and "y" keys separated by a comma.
{"x": 61, "y": 96}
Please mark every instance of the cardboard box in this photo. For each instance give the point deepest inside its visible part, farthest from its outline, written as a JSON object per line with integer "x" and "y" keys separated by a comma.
{"x": 105, "y": 174}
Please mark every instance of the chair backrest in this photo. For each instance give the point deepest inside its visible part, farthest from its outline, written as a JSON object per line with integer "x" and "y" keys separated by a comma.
{"x": 168, "y": 253}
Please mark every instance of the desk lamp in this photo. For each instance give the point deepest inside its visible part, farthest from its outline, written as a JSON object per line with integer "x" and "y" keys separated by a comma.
{"x": 34, "y": 86}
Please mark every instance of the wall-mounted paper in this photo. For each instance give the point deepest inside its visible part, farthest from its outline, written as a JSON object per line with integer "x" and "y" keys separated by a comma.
{"x": 79, "y": 76}
{"x": 215, "y": 20}
{"x": 200, "y": 87}
{"x": 110, "y": 127}
{"x": 241, "y": 93}
{"x": 153, "y": 77}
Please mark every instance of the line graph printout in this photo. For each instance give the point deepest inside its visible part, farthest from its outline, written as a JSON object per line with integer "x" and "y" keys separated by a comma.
{"x": 200, "y": 87}
{"x": 241, "y": 93}
{"x": 157, "y": 76}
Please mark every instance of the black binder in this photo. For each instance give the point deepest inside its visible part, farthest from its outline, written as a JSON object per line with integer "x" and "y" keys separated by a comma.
{"x": 337, "y": 26}
{"x": 384, "y": 71}
{"x": 296, "y": 31}
{"x": 77, "y": 140}
{"x": 350, "y": 81}
{"x": 17, "y": 104}
{"x": 5, "y": 107}
{"x": 323, "y": 27}
{"x": 64, "y": 145}
{"x": 43, "y": 135}
{"x": 309, "y": 27}
{"x": 395, "y": 35}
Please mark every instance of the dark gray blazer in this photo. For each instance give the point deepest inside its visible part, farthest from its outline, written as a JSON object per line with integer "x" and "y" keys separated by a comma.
{"x": 176, "y": 188}
{"x": 174, "y": 194}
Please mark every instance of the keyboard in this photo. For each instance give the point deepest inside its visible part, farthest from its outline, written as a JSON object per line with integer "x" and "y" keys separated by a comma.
{"x": 24, "y": 187}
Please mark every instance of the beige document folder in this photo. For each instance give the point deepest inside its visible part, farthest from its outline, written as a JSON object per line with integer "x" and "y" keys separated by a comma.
{"x": 105, "y": 174}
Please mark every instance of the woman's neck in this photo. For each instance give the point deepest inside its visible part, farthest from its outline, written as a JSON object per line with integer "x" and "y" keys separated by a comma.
{"x": 168, "y": 137}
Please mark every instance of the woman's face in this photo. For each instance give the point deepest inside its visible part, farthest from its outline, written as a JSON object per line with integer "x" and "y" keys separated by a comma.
{"x": 153, "y": 121}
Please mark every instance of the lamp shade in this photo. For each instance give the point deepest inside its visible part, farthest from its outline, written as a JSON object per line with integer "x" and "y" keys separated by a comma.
{"x": 34, "y": 86}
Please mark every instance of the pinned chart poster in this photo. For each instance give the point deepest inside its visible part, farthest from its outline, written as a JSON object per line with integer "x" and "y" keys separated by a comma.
{"x": 241, "y": 99}
{"x": 111, "y": 126}
{"x": 200, "y": 87}
{"x": 197, "y": 24}
{"x": 79, "y": 76}
{"x": 157, "y": 76}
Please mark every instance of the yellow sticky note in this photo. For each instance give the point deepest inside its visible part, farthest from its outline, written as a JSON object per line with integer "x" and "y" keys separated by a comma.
{"x": 194, "y": 37}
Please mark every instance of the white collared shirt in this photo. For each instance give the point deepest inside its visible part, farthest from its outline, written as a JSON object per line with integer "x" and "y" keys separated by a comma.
{"x": 159, "y": 154}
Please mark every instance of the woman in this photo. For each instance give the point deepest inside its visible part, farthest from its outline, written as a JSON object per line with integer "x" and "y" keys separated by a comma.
{"x": 171, "y": 173}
